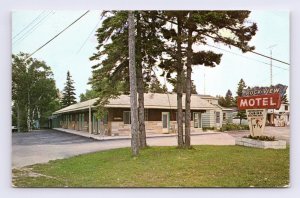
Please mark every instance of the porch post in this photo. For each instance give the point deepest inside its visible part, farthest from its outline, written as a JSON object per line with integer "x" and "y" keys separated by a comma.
{"x": 90, "y": 120}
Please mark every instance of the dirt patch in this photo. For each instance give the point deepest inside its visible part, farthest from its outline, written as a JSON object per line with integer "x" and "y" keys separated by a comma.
{"x": 26, "y": 172}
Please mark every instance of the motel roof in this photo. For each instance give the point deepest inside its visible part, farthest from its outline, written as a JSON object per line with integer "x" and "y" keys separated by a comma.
{"x": 151, "y": 101}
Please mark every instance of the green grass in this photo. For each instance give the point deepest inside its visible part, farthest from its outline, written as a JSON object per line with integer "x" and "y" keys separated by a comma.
{"x": 202, "y": 166}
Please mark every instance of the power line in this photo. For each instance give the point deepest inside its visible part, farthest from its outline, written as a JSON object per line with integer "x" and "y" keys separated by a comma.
{"x": 58, "y": 34}
{"x": 269, "y": 57}
{"x": 245, "y": 56}
{"x": 28, "y": 24}
{"x": 88, "y": 36}
{"x": 32, "y": 29}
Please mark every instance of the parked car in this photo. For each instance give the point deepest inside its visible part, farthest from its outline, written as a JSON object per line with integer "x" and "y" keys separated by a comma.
{"x": 14, "y": 129}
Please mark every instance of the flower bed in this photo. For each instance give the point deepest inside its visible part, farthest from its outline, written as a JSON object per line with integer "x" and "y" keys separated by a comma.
{"x": 277, "y": 144}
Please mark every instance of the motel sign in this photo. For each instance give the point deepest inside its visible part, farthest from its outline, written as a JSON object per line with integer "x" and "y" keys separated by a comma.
{"x": 270, "y": 101}
{"x": 256, "y": 102}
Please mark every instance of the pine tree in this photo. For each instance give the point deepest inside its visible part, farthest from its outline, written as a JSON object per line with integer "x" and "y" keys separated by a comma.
{"x": 68, "y": 92}
{"x": 111, "y": 75}
{"x": 157, "y": 87}
{"x": 229, "y": 99}
{"x": 226, "y": 101}
{"x": 193, "y": 86}
{"x": 241, "y": 113}
{"x": 241, "y": 86}
{"x": 196, "y": 27}
{"x": 89, "y": 94}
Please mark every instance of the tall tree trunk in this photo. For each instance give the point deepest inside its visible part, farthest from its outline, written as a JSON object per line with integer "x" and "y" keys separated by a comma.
{"x": 132, "y": 78}
{"x": 140, "y": 87}
{"x": 18, "y": 118}
{"x": 188, "y": 90}
{"x": 179, "y": 83}
{"x": 28, "y": 113}
{"x": 142, "y": 130}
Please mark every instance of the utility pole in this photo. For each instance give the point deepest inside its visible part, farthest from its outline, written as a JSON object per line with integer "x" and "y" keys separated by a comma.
{"x": 271, "y": 77}
{"x": 271, "y": 66}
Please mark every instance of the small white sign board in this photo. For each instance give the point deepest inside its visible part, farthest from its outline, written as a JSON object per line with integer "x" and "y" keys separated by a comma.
{"x": 257, "y": 120}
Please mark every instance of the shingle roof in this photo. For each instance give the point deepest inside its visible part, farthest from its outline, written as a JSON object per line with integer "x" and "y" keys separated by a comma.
{"x": 151, "y": 101}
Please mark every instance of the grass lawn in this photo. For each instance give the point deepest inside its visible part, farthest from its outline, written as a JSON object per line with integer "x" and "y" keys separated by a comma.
{"x": 202, "y": 166}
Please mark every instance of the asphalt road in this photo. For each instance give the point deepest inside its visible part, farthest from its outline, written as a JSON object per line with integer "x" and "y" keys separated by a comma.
{"x": 45, "y": 145}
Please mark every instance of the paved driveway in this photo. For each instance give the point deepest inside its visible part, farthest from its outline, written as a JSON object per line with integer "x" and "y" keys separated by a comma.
{"x": 42, "y": 146}
{"x": 281, "y": 133}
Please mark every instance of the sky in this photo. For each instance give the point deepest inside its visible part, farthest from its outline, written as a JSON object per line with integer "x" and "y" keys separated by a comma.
{"x": 73, "y": 48}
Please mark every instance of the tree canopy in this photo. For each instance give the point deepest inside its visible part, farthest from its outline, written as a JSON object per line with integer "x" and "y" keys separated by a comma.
{"x": 89, "y": 94}
{"x": 165, "y": 39}
{"x": 226, "y": 101}
{"x": 173, "y": 82}
{"x": 34, "y": 93}
{"x": 156, "y": 87}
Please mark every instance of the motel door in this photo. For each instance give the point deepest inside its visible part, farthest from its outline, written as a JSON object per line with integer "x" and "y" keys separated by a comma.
{"x": 165, "y": 121}
{"x": 197, "y": 120}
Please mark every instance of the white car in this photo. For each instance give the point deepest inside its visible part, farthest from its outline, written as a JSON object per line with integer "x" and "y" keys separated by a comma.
{"x": 14, "y": 129}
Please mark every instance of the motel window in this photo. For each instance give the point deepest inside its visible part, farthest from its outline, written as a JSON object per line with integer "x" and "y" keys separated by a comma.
{"x": 126, "y": 117}
{"x": 217, "y": 117}
{"x": 224, "y": 116}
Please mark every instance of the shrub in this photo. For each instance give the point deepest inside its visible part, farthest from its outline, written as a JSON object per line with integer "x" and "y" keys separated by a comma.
{"x": 262, "y": 138}
{"x": 233, "y": 127}
{"x": 208, "y": 128}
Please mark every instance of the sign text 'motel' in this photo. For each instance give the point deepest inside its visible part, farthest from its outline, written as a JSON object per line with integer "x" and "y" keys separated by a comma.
{"x": 256, "y": 101}
{"x": 269, "y": 101}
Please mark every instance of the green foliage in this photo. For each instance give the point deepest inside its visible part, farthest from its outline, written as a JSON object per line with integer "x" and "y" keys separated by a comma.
{"x": 157, "y": 40}
{"x": 241, "y": 85}
{"x": 111, "y": 75}
{"x": 241, "y": 113}
{"x": 34, "y": 93}
{"x": 202, "y": 166}
{"x": 89, "y": 94}
{"x": 208, "y": 128}
{"x": 262, "y": 138}
{"x": 205, "y": 26}
{"x": 68, "y": 92}
{"x": 173, "y": 82}
{"x": 206, "y": 58}
{"x": 233, "y": 127}
{"x": 227, "y": 101}
{"x": 229, "y": 98}
{"x": 156, "y": 87}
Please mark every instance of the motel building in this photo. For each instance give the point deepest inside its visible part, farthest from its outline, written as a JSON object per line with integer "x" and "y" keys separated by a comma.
{"x": 280, "y": 117}
{"x": 160, "y": 115}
